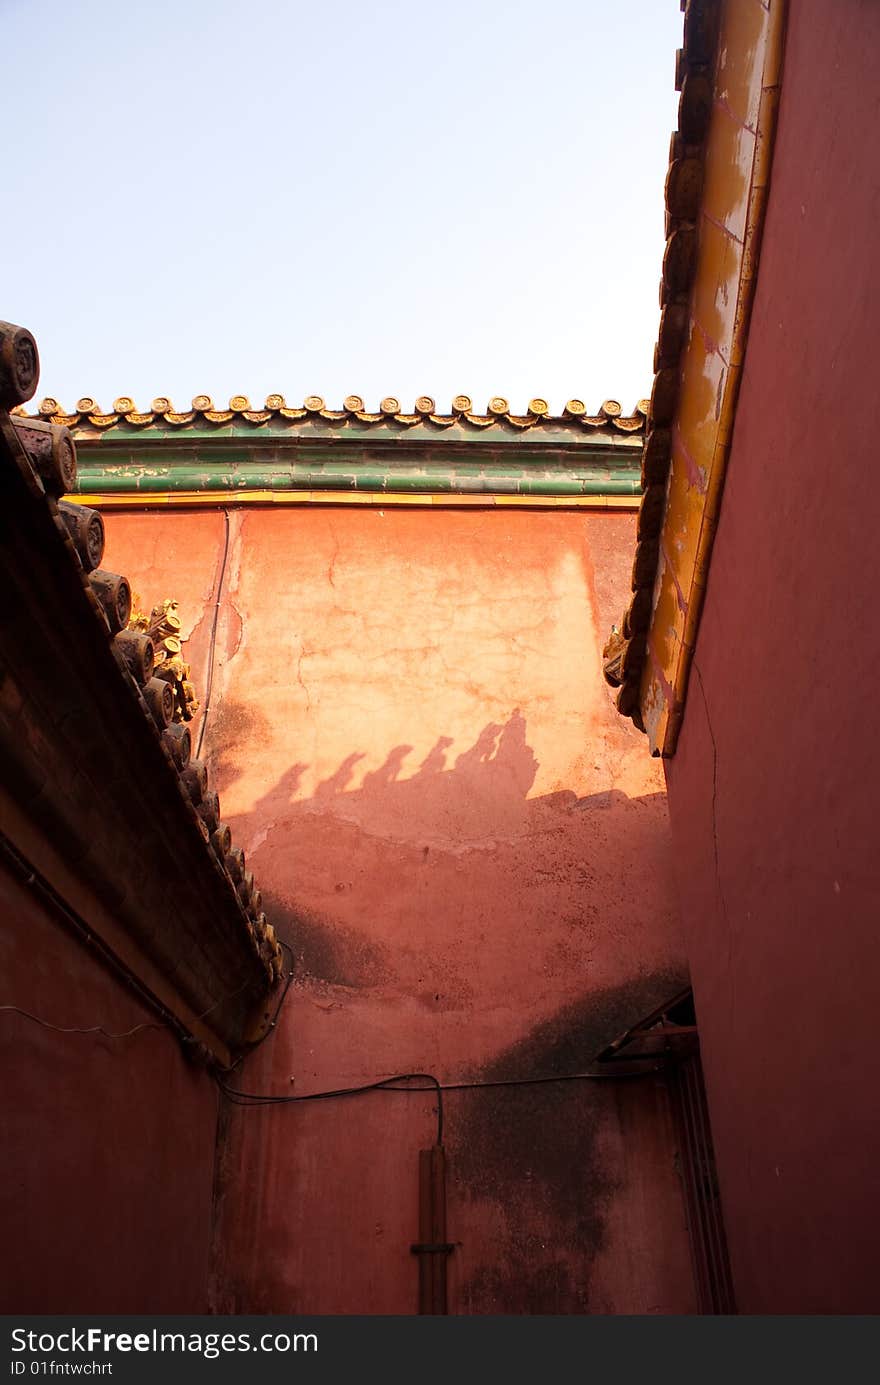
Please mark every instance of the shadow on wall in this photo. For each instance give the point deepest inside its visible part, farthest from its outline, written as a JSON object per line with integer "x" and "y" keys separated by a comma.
{"x": 458, "y": 802}
{"x": 371, "y": 881}
{"x": 452, "y": 917}
{"x": 466, "y": 801}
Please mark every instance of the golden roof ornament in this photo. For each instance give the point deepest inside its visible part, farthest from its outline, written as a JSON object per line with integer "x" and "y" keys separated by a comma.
{"x": 163, "y": 625}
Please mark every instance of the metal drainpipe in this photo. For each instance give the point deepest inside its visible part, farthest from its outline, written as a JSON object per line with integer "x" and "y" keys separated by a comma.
{"x": 432, "y": 1248}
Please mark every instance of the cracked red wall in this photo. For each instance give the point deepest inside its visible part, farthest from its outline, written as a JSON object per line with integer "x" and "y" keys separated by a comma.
{"x": 778, "y": 753}
{"x": 468, "y": 849}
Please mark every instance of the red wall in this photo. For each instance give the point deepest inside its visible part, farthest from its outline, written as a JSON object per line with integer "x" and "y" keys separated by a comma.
{"x": 773, "y": 790}
{"x": 469, "y": 851}
{"x": 108, "y": 1143}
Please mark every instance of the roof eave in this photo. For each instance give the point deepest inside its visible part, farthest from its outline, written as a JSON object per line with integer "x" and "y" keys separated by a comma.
{"x": 90, "y": 797}
{"x": 716, "y": 196}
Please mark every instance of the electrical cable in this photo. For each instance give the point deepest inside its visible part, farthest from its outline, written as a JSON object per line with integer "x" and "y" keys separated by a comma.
{"x": 93, "y": 1029}
{"x": 385, "y": 1084}
{"x": 430, "y": 1083}
{"x": 60, "y": 906}
{"x": 539, "y": 1081}
{"x": 392, "y": 1084}
{"x": 169, "y": 1021}
{"x": 99, "y": 1028}
{"x": 213, "y": 640}
{"x": 169, "y": 1024}
{"x": 274, "y": 1020}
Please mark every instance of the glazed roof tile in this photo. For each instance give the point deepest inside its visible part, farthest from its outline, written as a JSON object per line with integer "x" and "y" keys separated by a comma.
{"x": 149, "y": 667}
{"x": 626, "y": 650}
{"x": 87, "y": 414}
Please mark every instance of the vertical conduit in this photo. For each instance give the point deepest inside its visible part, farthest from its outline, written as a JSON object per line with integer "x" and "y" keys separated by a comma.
{"x": 432, "y": 1248}
{"x": 708, "y": 1243}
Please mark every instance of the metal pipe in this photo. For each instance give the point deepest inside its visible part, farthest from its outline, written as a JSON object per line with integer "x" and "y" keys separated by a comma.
{"x": 432, "y": 1247}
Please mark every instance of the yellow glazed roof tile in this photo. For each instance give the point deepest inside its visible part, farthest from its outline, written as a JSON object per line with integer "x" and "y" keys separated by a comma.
{"x": 87, "y": 414}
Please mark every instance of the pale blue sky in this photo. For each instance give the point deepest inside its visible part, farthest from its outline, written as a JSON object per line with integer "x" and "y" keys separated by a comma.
{"x": 337, "y": 197}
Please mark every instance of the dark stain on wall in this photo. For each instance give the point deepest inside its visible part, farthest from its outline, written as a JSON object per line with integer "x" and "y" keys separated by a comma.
{"x": 570, "y": 1039}
{"x": 536, "y": 1151}
{"x": 233, "y": 727}
{"x": 327, "y": 950}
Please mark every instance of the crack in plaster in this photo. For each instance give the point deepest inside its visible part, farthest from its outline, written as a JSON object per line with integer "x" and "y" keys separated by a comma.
{"x": 714, "y": 817}
{"x": 332, "y": 567}
{"x": 303, "y": 654}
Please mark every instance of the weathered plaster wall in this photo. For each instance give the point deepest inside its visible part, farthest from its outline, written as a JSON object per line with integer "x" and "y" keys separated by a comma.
{"x": 773, "y": 789}
{"x": 108, "y": 1143}
{"x": 468, "y": 848}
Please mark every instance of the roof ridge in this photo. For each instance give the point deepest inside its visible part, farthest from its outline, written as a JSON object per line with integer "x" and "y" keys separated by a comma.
{"x": 87, "y": 411}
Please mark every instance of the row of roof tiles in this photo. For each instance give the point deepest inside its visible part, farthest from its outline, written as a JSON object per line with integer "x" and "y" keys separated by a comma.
{"x": 626, "y": 650}
{"x": 148, "y": 653}
{"x": 610, "y": 415}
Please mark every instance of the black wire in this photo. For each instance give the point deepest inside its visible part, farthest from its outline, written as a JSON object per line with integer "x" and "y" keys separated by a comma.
{"x": 538, "y": 1081}
{"x": 211, "y": 646}
{"x": 385, "y": 1084}
{"x": 169, "y": 1025}
{"x": 169, "y": 1021}
{"x": 93, "y": 1029}
{"x": 289, "y": 950}
{"x": 239, "y": 1098}
{"x": 392, "y": 1084}
{"x": 59, "y": 904}
{"x": 274, "y": 1020}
